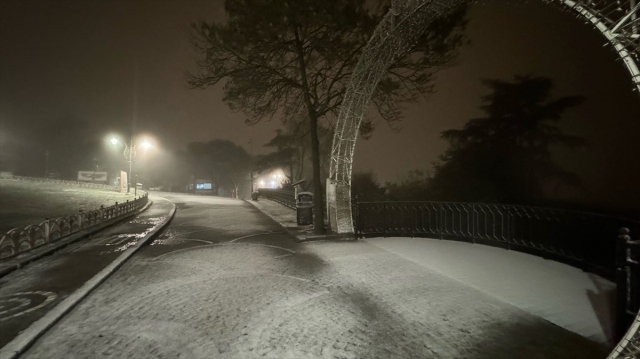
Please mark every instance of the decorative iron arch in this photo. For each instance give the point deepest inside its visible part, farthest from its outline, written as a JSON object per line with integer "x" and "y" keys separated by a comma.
{"x": 617, "y": 20}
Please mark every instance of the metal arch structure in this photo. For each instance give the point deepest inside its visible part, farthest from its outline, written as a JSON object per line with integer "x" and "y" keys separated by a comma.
{"x": 617, "y": 20}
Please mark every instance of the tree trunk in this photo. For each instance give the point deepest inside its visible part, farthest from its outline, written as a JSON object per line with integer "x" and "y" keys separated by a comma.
{"x": 318, "y": 218}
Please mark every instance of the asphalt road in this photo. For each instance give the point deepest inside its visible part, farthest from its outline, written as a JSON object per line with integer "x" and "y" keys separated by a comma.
{"x": 224, "y": 281}
{"x": 27, "y": 294}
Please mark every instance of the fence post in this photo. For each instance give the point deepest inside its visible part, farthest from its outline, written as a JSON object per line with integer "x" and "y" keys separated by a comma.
{"x": 441, "y": 221}
{"x": 354, "y": 210}
{"x": 386, "y": 218}
{"x": 47, "y": 231}
{"x": 622, "y": 281}
{"x": 473, "y": 223}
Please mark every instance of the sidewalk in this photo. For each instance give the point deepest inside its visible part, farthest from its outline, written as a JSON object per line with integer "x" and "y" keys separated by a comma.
{"x": 286, "y": 217}
{"x": 578, "y": 301}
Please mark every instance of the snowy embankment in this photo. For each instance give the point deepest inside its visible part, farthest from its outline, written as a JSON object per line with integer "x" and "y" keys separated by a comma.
{"x": 566, "y": 296}
{"x": 23, "y": 203}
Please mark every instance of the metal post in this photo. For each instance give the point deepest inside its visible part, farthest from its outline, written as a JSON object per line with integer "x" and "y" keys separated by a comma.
{"x": 441, "y": 221}
{"x": 130, "y": 174}
{"x": 355, "y": 216}
{"x": 622, "y": 281}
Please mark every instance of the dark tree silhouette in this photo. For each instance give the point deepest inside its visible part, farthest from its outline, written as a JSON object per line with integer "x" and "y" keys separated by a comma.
{"x": 505, "y": 157}
{"x": 293, "y": 59}
{"x": 416, "y": 186}
{"x": 220, "y": 160}
{"x": 366, "y": 187}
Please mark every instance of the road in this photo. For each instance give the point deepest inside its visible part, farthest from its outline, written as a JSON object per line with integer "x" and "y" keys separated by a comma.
{"x": 27, "y": 294}
{"x": 224, "y": 281}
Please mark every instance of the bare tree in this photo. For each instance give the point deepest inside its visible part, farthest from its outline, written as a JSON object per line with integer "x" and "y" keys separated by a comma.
{"x": 293, "y": 59}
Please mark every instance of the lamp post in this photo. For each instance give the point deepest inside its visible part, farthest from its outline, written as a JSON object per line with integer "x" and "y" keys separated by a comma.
{"x": 130, "y": 154}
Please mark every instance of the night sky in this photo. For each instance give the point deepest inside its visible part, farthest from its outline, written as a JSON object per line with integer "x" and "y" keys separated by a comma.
{"x": 77, "y": 58}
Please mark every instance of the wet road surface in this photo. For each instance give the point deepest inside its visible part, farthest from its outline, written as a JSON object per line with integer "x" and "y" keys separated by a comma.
{"x": 27, "y": 294}
{"x": 223, "y": 281}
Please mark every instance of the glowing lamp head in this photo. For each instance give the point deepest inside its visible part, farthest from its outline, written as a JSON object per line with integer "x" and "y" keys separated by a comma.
{"x": 114, "y": 141}
{"x": 146, "y": 145}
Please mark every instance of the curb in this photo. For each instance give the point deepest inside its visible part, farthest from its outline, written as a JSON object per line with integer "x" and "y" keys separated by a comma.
{"x": 25, "y": 339}
{"x": 69, "y": 240}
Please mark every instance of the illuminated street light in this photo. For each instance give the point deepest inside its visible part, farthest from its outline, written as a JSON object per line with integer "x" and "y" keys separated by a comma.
{"x": 130, "y": 154}
{"x": 146, "y": 144}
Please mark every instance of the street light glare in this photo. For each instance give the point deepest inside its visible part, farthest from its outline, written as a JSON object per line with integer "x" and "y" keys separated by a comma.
{"x": 114, "y": 141}
{"x": 146, "y": 144}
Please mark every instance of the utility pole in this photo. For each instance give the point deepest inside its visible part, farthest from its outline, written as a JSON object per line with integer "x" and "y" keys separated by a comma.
{"x": 133, "y": 129}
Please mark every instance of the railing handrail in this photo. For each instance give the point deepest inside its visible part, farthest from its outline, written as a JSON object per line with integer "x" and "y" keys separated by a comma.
{"x": 21, "y": 239}
{"x": 514, "y": 206}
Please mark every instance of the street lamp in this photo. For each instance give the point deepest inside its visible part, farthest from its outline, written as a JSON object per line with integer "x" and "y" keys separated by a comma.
{"x": 129, "y": 155}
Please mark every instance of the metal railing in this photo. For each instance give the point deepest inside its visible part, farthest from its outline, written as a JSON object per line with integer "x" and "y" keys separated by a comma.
{"x": 628, "y": 295}
{"x": 585, "y": 240}
{"x": 20, "y": 240}
{"x": 284, "y": 197}
{"x": 64, "y": 182}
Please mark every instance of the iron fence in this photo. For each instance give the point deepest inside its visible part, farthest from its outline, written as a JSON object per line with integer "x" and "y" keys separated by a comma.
{"x": 585, "y": 240}
{"x": 628, "y": 287}
{"x": 20, "y": 240}
{"x": 284, "y": 197}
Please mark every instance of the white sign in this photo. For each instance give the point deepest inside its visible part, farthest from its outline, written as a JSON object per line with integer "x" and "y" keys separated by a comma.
{"x": 92, "y": 176}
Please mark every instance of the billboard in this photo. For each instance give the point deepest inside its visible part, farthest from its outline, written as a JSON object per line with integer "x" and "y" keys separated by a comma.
{"x": 92, "y": 176}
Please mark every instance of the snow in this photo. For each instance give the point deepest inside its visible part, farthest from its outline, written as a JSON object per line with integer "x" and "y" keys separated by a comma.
{"x": 24, "y": 203}
{"x": 578, "y": 301}
{"x": 566, "y": 296}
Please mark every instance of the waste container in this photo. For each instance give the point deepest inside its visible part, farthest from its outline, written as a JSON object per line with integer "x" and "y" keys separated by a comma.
{"x": 304, "y": 208}
{"x": 254, "y": 195}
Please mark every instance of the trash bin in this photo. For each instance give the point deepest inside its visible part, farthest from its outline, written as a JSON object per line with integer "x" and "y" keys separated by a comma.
{"x": 254, "y": 195}
{"x": 304, "y": 208}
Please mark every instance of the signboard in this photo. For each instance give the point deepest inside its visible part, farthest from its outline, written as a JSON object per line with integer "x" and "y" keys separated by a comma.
{"x": 91, "y": 176}
{"x": 203, "y": 185}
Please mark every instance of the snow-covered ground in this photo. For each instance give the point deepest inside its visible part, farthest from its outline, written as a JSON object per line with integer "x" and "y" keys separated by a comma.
{"x": 23, "y": 203}
{"x": 224, "y": 281}
{"x": 282, "y": 214}
{"x": 566, "y": 296}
